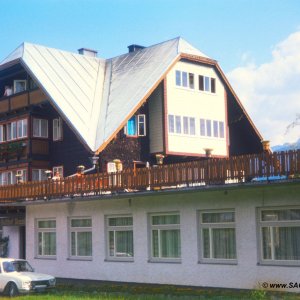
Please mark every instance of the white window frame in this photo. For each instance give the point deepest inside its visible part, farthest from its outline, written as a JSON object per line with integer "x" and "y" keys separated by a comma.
{"x": 141, "y": 120}
{"x": 184, "y": 79}
{"x": 210, "y": 226}
{"x": 207, "y": 87}
{"x": 2, "y": 135}
{"x": 38, "y": 132}
{"x": 9, "y": 177}
{"x": 171, "y": 123}
{"x": 111, "y": 253}
{"x": 271, "y": 224}
{"x": 23, "y": 126}
{"x": 59, "y": 169}
{"x": 57, "y": 129}
{"x": 16, "y": 82}
{"x": 76, "y": 230}
{"x": 41, "y": 174}
{"x": 160, "y": 228}
{"x": 43, "y": 231}
{"x": 11, "y": 131}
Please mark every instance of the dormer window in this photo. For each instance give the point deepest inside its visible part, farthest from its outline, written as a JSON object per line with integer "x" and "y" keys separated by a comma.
{"x": 19, "y": 86}
{"x": 136, "y": 126}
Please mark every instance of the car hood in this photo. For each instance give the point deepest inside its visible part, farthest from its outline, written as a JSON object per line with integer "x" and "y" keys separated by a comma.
{"x": 36, "y": 276}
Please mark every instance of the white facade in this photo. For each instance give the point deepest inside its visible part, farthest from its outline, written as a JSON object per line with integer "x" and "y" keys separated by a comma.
{"x": 190, "y": 269}
{"x": 191, "y": 102}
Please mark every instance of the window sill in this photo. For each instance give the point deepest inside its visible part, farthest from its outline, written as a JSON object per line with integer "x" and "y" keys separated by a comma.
{"x": 279, "y": 263}
{"x": 80, "y": 258}
{"x": 45, "y": 257}
{"x": 164, "y": 260}
{"x": 130, "y": 260}
{"x": 218, "y": 261}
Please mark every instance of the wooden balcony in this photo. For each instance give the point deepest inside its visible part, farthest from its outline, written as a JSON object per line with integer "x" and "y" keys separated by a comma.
{"x": 235, "y": 170}
{"x": 21, "y": 100}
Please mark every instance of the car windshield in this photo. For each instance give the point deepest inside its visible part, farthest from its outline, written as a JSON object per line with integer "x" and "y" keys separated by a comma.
{"x": 17, "y": 266}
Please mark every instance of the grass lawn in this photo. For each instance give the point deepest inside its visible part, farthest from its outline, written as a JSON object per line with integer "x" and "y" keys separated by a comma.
{"x": 149, "y": 292}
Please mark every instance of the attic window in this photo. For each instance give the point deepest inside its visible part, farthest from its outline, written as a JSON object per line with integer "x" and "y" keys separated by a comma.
{"x": 207, "y": 84}
{"x": 136, "y": 126}
{"x": 19, "y": 86}
{"x": 184, "y": 79}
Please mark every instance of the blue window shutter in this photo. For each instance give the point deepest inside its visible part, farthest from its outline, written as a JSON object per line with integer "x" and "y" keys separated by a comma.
{"x": 131, "y": 126}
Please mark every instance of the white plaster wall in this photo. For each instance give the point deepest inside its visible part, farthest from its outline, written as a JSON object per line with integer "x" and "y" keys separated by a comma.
{"x": 13, "y": 232}
{"x": 198, "y": 104}
{"x": 245, "y": 274}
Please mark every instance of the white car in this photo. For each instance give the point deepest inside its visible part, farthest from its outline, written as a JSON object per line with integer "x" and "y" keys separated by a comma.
{"x": 17, "y": 276}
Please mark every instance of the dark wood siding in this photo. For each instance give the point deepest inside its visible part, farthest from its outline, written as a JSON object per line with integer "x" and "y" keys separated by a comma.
{"x": 128, "y": 149}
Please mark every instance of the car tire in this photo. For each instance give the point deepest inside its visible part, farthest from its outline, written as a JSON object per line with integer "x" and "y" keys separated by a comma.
{"x": 11, "y": 290}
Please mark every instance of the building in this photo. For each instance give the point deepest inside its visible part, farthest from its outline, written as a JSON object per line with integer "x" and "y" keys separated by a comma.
{"x": 168, "y": 103}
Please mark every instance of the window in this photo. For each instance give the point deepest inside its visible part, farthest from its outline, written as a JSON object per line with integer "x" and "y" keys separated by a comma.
{"x": 189, "y": 125}
{"x": 192, "y": 126}
{"x": 208, "y": 127}
{"x": 185, "y": 125}
{"x": 178, "y": 124}
{"x": 2, "y": 130}
{"x": 19, "y": 86}
{"x": 22, "y": 128}
{"x": 216, "y": 128}
{"x": 9, "y": 177}
{"x": 207, "y": 84}
{"x": 136, "y": 126}
{"x": 184, "y": 79}
{"x": 81, "y": 237}
{"x": 221, "y": 130}
{"x": 217, "y": 236}
{"x": 141, "y": 125}
{"x": 59, "y": 169}
{"x": 165, "y": 237}
{"x": 119, "y": 237}
{"x": 40, "y": 128}
{"x": 279, "y": 231}
{"x": 11, "y": 131}
{"x": 46, "y": 238}
{"x": 191, "y": 81}
{"x": 39, "y": 175}
{"x": 57, "y": 129}
{"x": 171, "y": 123}
{"x": 178, "y": 78}
{"x": 202, "y": 127}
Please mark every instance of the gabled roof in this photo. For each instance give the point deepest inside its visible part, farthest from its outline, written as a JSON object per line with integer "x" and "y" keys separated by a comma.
{"x": 95, "y": 96}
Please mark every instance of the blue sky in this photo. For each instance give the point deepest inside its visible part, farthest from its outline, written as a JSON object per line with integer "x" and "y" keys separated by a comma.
{"x": 237, "y": 33}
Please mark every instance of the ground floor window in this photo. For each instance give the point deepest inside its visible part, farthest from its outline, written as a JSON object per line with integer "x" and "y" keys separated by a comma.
{"x": 119, "y": 237}
{"x": 165, "y": 236}
{"x": 39, "y": 175}
{"x": 81, "y": 237}
{"x": 46, "y": 238}
{"x": 279, "y": 231}
{"x": 217, "y": 236}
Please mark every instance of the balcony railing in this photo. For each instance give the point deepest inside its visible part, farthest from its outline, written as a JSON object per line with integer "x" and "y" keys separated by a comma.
{"x": 239, "y": 169}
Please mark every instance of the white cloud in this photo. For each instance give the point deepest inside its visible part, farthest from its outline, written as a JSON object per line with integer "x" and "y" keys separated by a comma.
{"x": 270, "y": 92}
